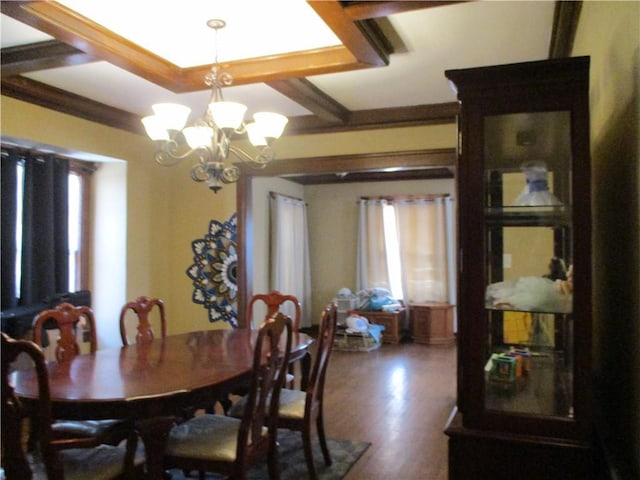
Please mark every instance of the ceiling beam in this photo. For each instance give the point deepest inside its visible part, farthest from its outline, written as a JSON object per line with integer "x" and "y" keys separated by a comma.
{"x": 309, "y": 96}
{"x": 362, "y": 10}
{"x": 364, "y": 46}
{"x": 73, "y": 29}
{"x": 27, "y": 90}
{"x": 41, "y": 94}
{"x": 357, "y": 163}
{"x": 361, "y": 40}
{"x": 41, "y": 56}
{"x": 276, "y": 67}
{"x": 436, "y": 114}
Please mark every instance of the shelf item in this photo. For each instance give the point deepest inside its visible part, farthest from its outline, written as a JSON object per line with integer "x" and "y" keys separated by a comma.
{"x": 524, "y": 226}
{"x": 432, "y": 323}
{"x": 389, "y": 320}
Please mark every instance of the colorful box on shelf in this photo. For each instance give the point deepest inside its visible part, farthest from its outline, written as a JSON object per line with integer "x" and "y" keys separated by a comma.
{"x": 503, "y": 367}
{"x": 525, "y": 356}
{"x": 508, "y": 366}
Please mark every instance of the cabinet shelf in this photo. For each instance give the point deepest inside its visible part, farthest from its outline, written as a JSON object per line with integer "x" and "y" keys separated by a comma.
{"x": 533, "y": 312}
{"x": 510, "y": 309}
{"x": 543, "y": 391}
{"x": 496, "y": 217}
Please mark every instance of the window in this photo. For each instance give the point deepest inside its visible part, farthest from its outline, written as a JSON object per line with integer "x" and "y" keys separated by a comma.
{"x": 75, "y": 231}
{"x": 79, "y": 215}
{"x": 406, "y": 247}
{"x": 33, "y": 195}
{"x": 393, "y": 250}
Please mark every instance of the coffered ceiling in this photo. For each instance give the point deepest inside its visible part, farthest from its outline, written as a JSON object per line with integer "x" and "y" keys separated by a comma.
{"x": 327, "y": 65}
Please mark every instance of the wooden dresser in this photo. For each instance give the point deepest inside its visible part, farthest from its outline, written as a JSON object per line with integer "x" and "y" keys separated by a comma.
{"x": 390, "y": 321}
{"x": 432, "y": 323}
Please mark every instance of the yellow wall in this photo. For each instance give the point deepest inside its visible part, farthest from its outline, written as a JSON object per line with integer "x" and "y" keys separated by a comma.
{"x": 333, "y": 230}
{"x": 166, "y": 211}
{"x": 332, "y": 211}
{"x": 609, "y": 32}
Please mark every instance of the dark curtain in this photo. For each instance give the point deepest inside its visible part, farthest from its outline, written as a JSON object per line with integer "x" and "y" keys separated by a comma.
{"x": 8, "y": 185}
{"x": 45, "y": 261}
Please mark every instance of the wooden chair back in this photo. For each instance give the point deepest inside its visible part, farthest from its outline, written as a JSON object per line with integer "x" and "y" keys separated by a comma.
{"x": 270, "y": 363}
{"x": 143, "y": 307}
{"x": 68, "y": 319}
{"x": 14, "y": 459}
{"x": 85, "y": 462}
{"x": 326, "y": 337}
{"x": 273, "y": 301}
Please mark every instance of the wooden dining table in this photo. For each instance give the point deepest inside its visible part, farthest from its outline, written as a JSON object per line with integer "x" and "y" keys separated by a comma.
{"x": 151, "y": 383}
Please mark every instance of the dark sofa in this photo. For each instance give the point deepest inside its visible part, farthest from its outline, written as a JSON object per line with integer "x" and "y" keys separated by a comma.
{"x": 17, "y": 321}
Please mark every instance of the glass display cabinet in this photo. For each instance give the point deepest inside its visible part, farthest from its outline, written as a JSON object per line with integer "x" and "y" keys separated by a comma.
{"x": 524, "y": 272}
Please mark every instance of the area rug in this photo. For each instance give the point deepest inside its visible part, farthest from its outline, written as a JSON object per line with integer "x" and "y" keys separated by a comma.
{"x": 293, "y": 466}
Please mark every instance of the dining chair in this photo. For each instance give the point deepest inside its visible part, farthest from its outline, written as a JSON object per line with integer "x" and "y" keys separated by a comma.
{"x": 222, "y": 444}
{"x": 143, "y": 308}
{"x": 301, "y": 410}
{"x": 56, "y": 459}
{"x": 274, "y": 301}
{"x": 72, "y": 321}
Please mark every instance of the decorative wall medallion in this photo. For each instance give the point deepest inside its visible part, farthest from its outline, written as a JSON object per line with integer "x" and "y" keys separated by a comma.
{"x": 214, "y": 269}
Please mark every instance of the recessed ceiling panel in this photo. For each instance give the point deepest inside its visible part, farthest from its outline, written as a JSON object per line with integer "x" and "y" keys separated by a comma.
{"x": 177, "y": 31}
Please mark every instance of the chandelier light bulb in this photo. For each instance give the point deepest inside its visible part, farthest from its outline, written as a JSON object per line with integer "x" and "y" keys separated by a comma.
{"x": 198, "y": 136}
{"x": 155, "y": 129}
{"x": 227, "y": 114}
{"x": 271, "y": 124}
{"x": 172, "y": 115}
{"x": 256, "y": 136}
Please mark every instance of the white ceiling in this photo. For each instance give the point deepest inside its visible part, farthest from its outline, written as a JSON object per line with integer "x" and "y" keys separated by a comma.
{"x": 428, "y": 42}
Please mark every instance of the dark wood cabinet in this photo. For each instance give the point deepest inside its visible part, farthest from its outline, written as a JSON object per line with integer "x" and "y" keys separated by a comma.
{"x": 432, "y": 323}
{"x": 524, "y": 406}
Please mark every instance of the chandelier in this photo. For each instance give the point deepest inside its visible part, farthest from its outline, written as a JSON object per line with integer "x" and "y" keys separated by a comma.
{"x": 209, "y": 137}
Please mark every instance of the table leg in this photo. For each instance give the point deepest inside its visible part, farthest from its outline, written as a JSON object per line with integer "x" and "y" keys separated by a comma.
{"x": 154, "y": 433}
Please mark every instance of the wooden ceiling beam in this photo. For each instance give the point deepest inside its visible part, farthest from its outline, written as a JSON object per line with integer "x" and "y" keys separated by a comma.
{"x": 361, "y": 40}
{"x": 305, "y": 93}
{"x": 41, "y": 56}
{"x": 277, "y": 67}
{"x": 41, "y": 94}
{"x": 362, "y": 10}
{"x": 357, "y": 163}
{"x": 38, "y": 93}
{"x": 364, "y": 47}
{"x": 436, "y": 114}
{"x": 73, "y": 29}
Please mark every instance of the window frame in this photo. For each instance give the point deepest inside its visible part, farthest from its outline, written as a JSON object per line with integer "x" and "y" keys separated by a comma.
{"x": 84, "y": 170}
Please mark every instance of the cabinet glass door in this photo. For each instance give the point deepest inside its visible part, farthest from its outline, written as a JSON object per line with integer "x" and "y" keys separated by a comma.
{"x": 528, "y": 272}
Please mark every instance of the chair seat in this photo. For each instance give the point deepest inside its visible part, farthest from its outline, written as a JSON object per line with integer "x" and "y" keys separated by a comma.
{"x": 292, "y": 404}
{"x": 85, "y": 428}
{"x": 99, "y": 463}
{"x": 207, "y": 437}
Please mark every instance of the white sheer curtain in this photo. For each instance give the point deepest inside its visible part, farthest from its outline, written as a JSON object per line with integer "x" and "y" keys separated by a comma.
{"x": 290, "y": 270}
{"x": 372, "y": 269}
{"x": 425, "y": 235}
{"x": 426, "y": 248}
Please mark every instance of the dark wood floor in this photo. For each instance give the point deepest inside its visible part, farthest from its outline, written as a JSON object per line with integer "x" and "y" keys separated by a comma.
{"x": 398, "y": 398}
